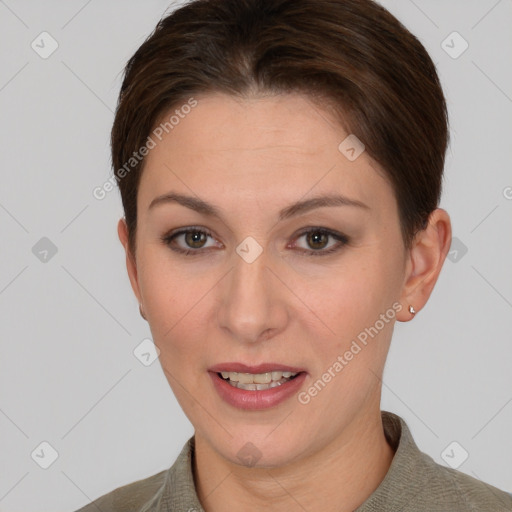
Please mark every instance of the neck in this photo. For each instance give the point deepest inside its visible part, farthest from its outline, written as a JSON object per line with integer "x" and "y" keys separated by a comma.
{"x": 339, "y": 477}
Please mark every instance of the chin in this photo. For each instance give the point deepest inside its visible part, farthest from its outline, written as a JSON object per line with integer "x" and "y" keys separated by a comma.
{"x": 259, "y": 449}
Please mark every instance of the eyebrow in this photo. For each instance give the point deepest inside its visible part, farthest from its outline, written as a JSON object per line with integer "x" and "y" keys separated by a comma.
{"x": 300, "y": 207}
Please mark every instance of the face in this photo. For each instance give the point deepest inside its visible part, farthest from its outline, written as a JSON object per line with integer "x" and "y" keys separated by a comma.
{"x": 257, "y": 285}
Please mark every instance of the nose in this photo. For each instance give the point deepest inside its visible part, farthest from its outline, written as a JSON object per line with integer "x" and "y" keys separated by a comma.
{"x": 252, "y": 306}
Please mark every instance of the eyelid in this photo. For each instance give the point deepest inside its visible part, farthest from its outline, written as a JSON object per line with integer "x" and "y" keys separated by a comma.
{"x": 340, "y": 237}
{"x": 172, "y": 235}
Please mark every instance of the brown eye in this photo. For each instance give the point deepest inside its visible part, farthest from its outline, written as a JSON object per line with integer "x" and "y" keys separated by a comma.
{"x": 188, "y": 241}
{"x": 192, "y": 241}
{"x": 317, "y": 241}
{"x": 195, "y": 239}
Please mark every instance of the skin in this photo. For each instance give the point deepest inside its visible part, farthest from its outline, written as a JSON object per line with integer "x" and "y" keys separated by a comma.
{"x": 252, "y": 157}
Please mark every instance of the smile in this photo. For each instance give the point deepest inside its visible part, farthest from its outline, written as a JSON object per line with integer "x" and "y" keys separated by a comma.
{"x": 256, "y": 387}
{"x": 257, "y": 381}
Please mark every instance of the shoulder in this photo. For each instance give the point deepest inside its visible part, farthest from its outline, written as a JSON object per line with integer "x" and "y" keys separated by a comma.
{"x": 171, "y": 489}
{"x": 459, "y": 491}
{"x": 133, "y": 496}
{"x": 416, "y": 482}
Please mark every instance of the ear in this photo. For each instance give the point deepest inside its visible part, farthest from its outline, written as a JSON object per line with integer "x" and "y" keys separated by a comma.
{"x": 131, "y": 265}
{"x": 424, "y": 263}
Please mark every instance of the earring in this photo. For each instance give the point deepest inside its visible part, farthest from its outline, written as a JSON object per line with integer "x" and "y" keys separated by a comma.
{"x": 412, "y": 310}
{"x": 142, "y": 312}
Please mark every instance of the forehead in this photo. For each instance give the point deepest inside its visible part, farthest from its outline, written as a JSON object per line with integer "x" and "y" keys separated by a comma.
{"x": 274, "y": 147}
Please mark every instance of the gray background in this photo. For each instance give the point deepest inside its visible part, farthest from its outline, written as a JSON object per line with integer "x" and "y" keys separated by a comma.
{"x": 70, "y": 323}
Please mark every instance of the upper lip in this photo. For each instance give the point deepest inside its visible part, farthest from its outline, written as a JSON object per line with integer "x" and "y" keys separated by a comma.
{"x": 260, "y": 368}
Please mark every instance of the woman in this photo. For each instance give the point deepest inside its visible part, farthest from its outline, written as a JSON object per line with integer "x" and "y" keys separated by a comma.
{"x": 280, "y": 165}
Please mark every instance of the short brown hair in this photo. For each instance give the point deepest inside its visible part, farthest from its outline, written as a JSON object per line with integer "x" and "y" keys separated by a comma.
{"x": 353, "y": 56}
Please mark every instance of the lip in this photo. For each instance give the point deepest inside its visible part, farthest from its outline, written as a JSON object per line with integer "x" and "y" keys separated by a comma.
{"x": 255, "y": 400}
{"x": 260, "y": 368}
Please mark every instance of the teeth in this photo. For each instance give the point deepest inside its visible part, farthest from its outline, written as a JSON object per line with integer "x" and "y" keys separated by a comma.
{"x": 262, "y": 378}
{"x": 258, "y": 381}
{"x": 277, "y": 376}
{"x": 245, "y": 378}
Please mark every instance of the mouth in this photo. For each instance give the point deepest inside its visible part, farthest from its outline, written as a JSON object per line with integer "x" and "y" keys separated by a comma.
{"x": 256, "y": 387}
{"x": 257, "y": 381}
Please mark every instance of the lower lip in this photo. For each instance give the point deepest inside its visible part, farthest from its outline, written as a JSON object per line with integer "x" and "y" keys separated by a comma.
{"x": 256, "y": 400}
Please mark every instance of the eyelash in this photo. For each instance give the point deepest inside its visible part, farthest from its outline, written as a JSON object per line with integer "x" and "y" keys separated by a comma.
{"x": 342, "y": 240}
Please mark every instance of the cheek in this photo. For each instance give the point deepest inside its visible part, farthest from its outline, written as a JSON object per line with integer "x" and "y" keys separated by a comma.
{"x": 356, "y": 304}
{"x": 346, "y": 298}
{"x": 173, "y": 299}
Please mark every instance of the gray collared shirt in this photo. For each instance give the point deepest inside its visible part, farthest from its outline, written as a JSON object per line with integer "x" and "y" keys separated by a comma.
{"x": 413, "y": 483}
